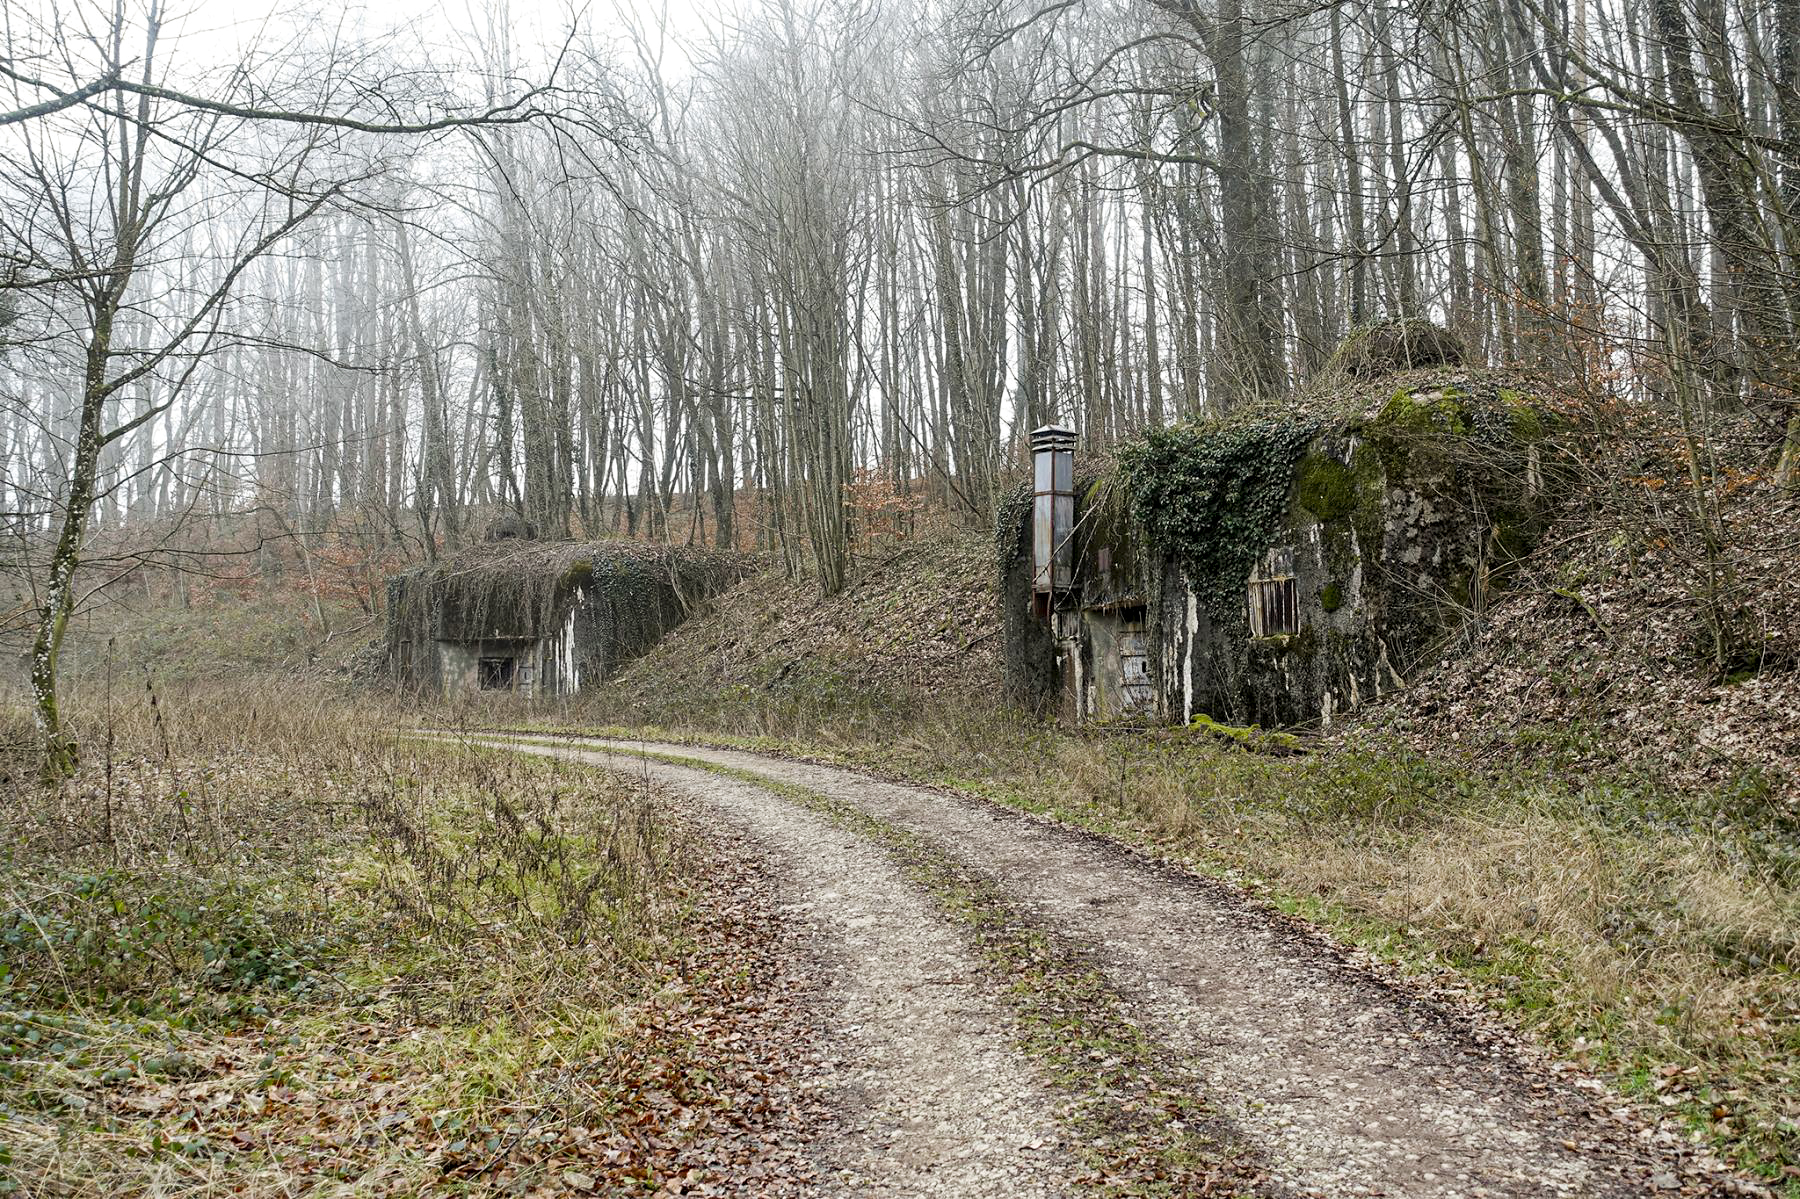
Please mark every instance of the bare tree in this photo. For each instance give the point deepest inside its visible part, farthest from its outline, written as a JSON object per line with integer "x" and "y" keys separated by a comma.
{"x": 135, "y": 213}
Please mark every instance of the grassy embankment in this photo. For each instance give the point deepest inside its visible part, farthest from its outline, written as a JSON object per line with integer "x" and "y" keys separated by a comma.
{"x": 263, "y": 946}
{"x": 1645, "y": 932}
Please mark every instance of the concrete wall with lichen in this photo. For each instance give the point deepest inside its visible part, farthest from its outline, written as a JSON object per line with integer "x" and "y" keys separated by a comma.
{"x": 1400, "y": 524}
{"x": 567, "y": 615}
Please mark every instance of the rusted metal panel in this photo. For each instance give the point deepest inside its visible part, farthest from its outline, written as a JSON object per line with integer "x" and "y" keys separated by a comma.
{"x": 1137, "y": 693}
{"x": 1274, "y": 607}
{"x": 1064, "y": 558}
{"x": 1274, "y": 596}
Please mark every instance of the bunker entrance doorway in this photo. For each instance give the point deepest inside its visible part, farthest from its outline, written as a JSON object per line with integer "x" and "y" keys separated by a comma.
{"x": 1121, "y": 684}
{"x": 496, "y": 674}
{"x": 1137, "y": 694}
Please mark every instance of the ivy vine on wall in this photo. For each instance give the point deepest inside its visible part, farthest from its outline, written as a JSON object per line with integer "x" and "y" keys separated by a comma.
{"x": 525, "y": 590}
{"x": 1213, "y": 498}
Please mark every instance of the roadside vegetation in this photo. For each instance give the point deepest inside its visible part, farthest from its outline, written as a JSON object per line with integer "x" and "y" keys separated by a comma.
{"x": 262, "y": 945}
{"x": 1646, "y": 933}
{"x": 1638, "y": 920}
{"x": 1637, "y": 917}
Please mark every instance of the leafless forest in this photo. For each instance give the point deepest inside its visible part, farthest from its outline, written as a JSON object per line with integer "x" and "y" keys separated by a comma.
{"x": 1346, "y": 802}
{"x": 295, "y": 291}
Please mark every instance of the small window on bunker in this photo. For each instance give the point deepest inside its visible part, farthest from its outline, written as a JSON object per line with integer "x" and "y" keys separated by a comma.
{"x": 496, "y": 674}
{"x": 1275, "y": 596}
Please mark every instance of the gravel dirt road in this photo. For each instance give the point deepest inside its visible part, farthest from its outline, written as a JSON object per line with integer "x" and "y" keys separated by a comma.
{"x": 1345, "y": 1083}
{"x": 931, "y": 1096}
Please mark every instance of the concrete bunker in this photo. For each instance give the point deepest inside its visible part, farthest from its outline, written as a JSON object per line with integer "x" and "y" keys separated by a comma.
{"x": 532, "y": 618}
{"x": 1275, "y": 569}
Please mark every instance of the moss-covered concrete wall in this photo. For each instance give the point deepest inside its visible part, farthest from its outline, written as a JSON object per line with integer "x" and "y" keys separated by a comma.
{"x": 566, "y": 615}
{"x": 1394, "y": 525}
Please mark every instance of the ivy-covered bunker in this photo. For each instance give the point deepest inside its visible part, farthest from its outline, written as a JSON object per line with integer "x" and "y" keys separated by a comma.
{"x": 1276, "y": 570}
{"x": 539, "y": 618}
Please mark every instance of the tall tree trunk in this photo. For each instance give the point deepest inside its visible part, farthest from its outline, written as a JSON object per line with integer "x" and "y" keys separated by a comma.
{"x": 1251, "y": 310}
{"x": 59, "y": 593}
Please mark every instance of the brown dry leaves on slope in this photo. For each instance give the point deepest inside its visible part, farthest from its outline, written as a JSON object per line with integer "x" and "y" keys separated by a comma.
{"x": 1603, "y": 642}
{"x": 921, "y": 614}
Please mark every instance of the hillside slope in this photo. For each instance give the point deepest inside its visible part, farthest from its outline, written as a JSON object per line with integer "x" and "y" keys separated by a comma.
{"x": 926, "y": 616}
{"x": 1603, "y": 653}
{"x": 1593, "y": 657}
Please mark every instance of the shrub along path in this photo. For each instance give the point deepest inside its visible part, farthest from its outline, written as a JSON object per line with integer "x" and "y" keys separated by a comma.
{"x": 1323, "y": 1078}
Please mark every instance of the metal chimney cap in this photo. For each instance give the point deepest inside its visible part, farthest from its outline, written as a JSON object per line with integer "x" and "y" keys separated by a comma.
{"x": 1053, "y": 437}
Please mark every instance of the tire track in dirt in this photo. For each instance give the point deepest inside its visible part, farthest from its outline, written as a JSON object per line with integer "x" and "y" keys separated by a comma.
{"x": 1346, "y": 1084}
{"x": 931, "y": 1097}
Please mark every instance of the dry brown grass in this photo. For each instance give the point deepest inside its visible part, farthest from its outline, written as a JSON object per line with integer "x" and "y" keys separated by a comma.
{"x": 265, "y": 946}
{"x": 1617, "y": 920}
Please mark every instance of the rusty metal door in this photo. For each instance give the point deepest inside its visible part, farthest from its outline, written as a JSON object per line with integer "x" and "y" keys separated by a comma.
{"x": 1136, "y": 693}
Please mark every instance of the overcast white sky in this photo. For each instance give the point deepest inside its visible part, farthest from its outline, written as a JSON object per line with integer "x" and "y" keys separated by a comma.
{"x": 213, "y": 32}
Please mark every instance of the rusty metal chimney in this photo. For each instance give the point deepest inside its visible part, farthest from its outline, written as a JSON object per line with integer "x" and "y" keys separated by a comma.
{"x": 1052, "y": 514}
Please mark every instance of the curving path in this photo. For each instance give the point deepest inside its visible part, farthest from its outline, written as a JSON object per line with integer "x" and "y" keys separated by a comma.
{"x": 933, "y": 1097}
{"x": 1345, "y": 1085}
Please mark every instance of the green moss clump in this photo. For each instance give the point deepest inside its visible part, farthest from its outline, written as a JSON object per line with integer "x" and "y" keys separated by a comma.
{"x": 1325, "y": 487}
{"x": 1527, "y": 424}
{"x": 1332, "y": 597}
{"x": 1242, "y": 734}
{"x": 579, "y": 574}
{"x": 1247, "y": 736}
{"x": 1411, "y": 432}
{"x": 1405, "y": 412}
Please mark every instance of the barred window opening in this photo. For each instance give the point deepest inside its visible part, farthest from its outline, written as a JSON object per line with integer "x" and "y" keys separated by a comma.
{"x": 1274, "y": 608}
